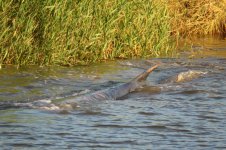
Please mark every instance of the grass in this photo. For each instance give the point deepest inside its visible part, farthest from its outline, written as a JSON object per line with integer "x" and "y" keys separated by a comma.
{"x": 198, "y": 17}
{"x": 80, "y": 32}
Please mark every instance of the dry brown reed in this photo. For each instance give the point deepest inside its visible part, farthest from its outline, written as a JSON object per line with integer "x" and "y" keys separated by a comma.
{"x": 198, "y": 17}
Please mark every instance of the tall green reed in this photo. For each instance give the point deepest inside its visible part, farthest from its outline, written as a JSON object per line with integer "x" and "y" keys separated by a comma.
{"x": 79, "y": 32}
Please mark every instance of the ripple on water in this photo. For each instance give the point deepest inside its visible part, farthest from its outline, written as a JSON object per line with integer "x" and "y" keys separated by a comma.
{"x": 189, "y": 115}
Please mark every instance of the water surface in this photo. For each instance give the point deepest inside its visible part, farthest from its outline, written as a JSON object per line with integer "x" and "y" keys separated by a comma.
{"x": 164, "y": 115}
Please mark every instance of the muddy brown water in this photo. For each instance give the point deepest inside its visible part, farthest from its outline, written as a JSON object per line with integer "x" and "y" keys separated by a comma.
{"x": 163, "y": 115}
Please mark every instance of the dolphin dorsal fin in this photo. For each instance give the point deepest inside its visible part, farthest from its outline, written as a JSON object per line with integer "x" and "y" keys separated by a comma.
{"x": 143, "y": 76}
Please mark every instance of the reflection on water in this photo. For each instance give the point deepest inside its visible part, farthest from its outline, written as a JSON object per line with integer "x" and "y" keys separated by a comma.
{"x": 206, "y": 47}
{"x": 164, "y": 115}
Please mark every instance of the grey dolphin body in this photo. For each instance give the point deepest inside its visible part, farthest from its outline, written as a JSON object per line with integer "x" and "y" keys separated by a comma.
{"x": 112, "y": 93}
{"x": 107, "y": 94}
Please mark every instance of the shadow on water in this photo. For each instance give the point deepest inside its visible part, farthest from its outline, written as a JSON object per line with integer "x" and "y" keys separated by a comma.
{"x": 163, "y": 115}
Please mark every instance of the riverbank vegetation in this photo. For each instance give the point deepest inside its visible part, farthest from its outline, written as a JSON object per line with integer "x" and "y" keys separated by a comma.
{"x": 197, "y": 17}
{"x": 80, "y": 32}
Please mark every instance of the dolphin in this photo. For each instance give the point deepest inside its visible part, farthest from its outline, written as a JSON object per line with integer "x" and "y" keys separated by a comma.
{"x": 111, "y": 93}
{"x": 184, "y": 76}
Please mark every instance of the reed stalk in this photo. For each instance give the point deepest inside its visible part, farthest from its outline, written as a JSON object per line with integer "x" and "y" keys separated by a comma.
{"x": 75, "y": 32}
{"x": 79, "y": 32}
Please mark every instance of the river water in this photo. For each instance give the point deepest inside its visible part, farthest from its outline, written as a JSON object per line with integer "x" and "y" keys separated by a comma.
{"x": 164, "y": 115}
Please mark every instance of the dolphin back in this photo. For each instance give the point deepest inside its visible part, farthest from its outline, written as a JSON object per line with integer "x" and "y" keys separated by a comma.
{"x": 112, "y": 93}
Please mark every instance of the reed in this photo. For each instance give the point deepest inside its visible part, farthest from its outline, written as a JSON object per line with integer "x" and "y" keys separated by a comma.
{"x": 197, "y": 17}
{"x": 79, "y": 32}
